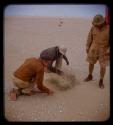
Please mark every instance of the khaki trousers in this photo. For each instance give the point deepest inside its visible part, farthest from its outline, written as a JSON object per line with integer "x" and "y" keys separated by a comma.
{"x": 26, "y": 87}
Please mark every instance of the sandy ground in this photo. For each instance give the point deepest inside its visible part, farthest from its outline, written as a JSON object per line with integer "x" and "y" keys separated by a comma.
{"x": 26, "y": 37}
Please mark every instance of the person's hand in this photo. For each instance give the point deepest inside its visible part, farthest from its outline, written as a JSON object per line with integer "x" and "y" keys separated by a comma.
{"x": 108, "y": 51}
{"x": 87, "y": 50}
{"x": 50, "y": 92}
{"x": 67, "y": 63}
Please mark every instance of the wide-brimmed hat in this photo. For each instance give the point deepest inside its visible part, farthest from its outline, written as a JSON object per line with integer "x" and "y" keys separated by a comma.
{"x": 62, "y": 50}
{"x": 98, "y": 20}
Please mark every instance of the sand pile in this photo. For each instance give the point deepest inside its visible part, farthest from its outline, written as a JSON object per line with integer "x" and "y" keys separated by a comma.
{"x": 64, "y": 82}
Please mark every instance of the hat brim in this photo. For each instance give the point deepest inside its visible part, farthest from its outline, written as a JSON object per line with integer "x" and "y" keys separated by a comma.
{"x": 99, "y": 23}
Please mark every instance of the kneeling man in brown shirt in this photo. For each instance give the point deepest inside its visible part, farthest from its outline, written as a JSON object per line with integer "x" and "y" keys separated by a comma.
{"x": 31, "y": 72}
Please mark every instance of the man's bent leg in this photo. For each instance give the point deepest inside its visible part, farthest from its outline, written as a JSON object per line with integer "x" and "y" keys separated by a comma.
{"x": 29, "y": 89}
{"x": 21, "y": 85}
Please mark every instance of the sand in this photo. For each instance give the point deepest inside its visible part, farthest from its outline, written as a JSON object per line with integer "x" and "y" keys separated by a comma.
{"x": 26, "y": 37}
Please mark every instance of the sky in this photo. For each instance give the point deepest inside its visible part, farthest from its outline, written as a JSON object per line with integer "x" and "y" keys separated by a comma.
{"x": 56, "y": 10}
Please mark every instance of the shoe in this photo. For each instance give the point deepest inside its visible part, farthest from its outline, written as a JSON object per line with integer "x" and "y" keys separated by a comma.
{"x": 89, "y": 78}
{"x": 101, "y": 85}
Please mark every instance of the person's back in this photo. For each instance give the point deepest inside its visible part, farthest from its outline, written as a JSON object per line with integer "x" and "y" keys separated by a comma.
{"x": 50, "y": 53}
{"x": 29, "y": 69}
{"x": 56, "y": 53}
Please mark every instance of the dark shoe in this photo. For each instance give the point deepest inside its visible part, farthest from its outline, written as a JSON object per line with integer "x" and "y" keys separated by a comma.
{"x": 101, "y": 85}
{"x": 89, "y": 78}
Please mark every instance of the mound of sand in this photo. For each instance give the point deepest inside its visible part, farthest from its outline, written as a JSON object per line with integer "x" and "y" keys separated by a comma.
{"x": 64, "y": 82}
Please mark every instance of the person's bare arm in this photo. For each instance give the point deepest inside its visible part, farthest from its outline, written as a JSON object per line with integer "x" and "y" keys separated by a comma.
{"x": 39, "y": 82}
{"x": 89, "y": 41}
{"x": 65, "y": 58}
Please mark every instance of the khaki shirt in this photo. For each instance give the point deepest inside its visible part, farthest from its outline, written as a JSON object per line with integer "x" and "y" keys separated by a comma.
{"x": 98, "y": 41}
{"x": 31, "y": 69}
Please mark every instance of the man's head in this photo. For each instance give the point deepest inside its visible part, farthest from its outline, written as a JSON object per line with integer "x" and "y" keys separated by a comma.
{"x": 98, "y": 21}
{"x": 62, "y": 50}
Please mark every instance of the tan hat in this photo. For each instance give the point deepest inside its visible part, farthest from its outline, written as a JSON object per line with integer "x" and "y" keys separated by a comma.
{"x": 62, "y": 50}
{"x": 98, "y": 20}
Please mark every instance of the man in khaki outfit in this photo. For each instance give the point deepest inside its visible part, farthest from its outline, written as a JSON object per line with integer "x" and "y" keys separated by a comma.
{"x": 98, "y": 48}
{"x": 31, "y": 72}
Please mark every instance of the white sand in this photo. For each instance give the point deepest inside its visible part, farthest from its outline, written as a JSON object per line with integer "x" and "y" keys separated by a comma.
{"x": 26, "y": 37}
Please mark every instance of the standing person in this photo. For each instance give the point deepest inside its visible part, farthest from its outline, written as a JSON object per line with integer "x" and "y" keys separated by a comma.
{"x": 31, "y": 72}
{"x": 55, "y": 54}
{"x": 98, "y": 48}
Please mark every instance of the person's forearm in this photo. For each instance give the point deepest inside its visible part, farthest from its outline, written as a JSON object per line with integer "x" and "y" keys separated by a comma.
{"x": 108, "y": 50}
{"x": 39, "y": 82}
{"x": 65, "y": 58}
{"x": 89, "y": 41}
{"x": 42, "y": 88}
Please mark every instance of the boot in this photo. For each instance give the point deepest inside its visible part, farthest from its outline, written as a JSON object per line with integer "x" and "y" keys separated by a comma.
{"x": 101, "y": 85}
{"x": 89, "y": 78}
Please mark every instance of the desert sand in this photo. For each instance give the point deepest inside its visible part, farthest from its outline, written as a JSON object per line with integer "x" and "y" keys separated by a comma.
{"x": 26, "y": 37}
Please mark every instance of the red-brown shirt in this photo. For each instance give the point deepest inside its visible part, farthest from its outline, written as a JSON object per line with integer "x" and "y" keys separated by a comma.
{"x": 31, "y": 69}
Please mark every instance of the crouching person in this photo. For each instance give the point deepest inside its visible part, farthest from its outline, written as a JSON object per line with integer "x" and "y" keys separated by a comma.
{"x": 31, "y": 72}
{"x": 57, "y": 54}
